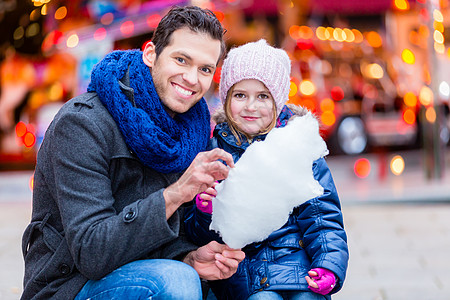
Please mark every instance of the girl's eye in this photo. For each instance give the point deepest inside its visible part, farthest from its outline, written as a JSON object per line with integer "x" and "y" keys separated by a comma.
{"x": 263, "y": 96}
{"x": 239, "y": 95}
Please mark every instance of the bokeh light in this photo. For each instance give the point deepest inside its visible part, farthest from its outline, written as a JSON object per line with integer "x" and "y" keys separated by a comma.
{"x": 327, "y": 105}
{"x": 72, "y": 41}
{"x": 21, "y": 129}
{"x": 374, "y": 39}
{"x": 430, "y": 114}
{"x": 349, "y": 35}
{"x": 401, "y": 4}
{"x": 100, "y": 34}
{"x": 426, "y": 96}
{"x": 29, "y": 139}
{"x": 31, "y": 182}
{"x": 362, "y": 167}
{"x": 307, "y": 88}
{"x": 409, "y": 116}
{"x": 61, "y": 13}
{"x": 408, "y": 57}
{"x": 444, "y": 89}
{"x": 397, "y": 165}
{"x": 437, "y": 15}
{"x": 293, "y": 90}
{"x": 410, "y": 99}
{"x": 127, "y": 28}
{"x": 153, "y": 20}
{"x": 374, "y": 71}
{"x": 107, "y": 18}
{"x": 337, "y": 93}
{"x": 328, "y": 118}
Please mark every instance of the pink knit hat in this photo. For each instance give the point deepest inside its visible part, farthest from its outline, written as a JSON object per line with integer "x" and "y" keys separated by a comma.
{"x": 260, "y": 61}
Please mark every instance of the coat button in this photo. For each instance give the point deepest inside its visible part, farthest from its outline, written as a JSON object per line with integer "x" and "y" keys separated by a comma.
{"x": 64, "y": 269}
{"x": 301, "y": 244}
{"x": 224, "y": 134}
{"x": 263, "y": 280}
{"x": 129, "y": 215}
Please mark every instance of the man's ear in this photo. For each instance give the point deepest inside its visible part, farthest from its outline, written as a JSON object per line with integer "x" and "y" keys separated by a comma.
{"x": 149, "y": 54}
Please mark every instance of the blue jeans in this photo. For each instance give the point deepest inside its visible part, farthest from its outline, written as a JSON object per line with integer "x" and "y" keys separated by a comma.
{"x": 286, "y": 295}
{"x": 146, "y": 279}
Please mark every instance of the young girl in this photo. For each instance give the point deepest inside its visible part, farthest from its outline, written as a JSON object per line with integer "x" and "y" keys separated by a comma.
{"x": 307, "y": 257}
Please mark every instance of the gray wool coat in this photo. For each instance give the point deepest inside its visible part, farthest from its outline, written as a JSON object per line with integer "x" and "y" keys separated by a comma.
{"x": 96, "y": 207}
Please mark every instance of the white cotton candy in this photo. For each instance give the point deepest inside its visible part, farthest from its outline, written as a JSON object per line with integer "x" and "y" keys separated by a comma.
{"x": 270, "y": 179}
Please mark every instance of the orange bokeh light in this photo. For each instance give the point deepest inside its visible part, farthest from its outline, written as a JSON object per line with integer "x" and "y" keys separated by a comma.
{"x": 29, "y": 139}
{"x": 328, "y": 118}
{"x": 409, "y": 116}
{"x": 362, "y": 167}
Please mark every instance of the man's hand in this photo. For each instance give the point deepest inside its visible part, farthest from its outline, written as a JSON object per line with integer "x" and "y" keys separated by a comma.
{"x": 215, "y": 261}
{"x": 204, "y": 170}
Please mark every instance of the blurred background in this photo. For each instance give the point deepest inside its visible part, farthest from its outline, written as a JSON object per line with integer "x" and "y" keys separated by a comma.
{"x": 376, "y": 73}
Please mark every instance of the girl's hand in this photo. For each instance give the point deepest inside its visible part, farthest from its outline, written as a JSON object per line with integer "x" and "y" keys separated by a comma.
{"x": 321, "y": 281}
{"x": 203, "y": 200}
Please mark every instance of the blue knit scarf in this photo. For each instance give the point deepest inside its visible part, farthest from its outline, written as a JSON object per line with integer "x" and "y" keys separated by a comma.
{"x": 161, "y": 142}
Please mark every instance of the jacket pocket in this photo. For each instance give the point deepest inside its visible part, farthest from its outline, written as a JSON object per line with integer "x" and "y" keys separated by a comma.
{"x": 55, "y": 260}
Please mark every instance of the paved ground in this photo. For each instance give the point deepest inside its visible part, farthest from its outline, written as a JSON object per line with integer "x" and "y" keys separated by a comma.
{"x": 398, "y": 229}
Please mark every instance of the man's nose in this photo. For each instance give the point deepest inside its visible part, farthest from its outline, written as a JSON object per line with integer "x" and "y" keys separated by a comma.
{"x": 190, "y": 76}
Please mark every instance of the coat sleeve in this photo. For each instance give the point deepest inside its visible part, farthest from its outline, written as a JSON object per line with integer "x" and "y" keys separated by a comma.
{"x": 197, "y": 222}
{"x": 101, "y": 239}
{"x": 321, "y": 223}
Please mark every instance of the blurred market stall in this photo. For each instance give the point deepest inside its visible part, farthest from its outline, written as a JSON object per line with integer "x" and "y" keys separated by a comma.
{"x": 374, "y": 72}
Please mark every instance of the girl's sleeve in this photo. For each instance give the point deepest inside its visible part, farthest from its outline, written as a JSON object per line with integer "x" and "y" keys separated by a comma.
{"x": 197, "y": 227}
{"x": 321, "y": 222}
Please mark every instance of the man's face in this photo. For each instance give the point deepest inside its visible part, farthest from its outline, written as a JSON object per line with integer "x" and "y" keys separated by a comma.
{"x": 184, "y": 70}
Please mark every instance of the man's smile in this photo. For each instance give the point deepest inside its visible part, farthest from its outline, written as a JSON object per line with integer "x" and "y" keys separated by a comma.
{"x": 182, "y": 90}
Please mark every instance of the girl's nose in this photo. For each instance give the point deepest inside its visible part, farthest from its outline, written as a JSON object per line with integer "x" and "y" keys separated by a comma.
{"x": 250, "y": 105}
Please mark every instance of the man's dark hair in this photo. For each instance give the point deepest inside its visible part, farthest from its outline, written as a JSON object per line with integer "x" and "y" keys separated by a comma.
{"x": 193, "y": 17}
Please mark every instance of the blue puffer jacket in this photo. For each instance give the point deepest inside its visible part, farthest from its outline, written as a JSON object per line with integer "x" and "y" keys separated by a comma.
{"x": 313, "y": 237}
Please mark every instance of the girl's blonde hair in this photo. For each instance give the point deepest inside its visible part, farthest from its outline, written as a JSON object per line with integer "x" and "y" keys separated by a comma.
{"x": 233, "y": 124}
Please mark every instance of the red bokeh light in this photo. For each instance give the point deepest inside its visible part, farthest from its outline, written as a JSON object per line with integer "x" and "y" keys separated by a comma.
{"x": 100, "y": 34}
{"x": 21, "y": 129}
{"x": 337, "y": 93}
{"x": 153, "y": 20}
{"x": 127, "y": 28}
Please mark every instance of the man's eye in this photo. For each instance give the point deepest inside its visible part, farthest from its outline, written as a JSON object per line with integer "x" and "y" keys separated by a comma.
{"x": 181, "y": 60}
{"x": 206, "y": 70}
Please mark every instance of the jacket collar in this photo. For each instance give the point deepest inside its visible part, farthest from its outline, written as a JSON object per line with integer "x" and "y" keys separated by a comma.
{"x": 223, "y": 131}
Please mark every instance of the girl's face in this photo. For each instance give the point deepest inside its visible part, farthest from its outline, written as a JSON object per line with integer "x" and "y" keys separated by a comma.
{"x": 251, "y": 106}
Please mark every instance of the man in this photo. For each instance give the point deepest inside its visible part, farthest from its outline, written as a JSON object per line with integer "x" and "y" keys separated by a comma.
{"x": 116, "y": 166}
